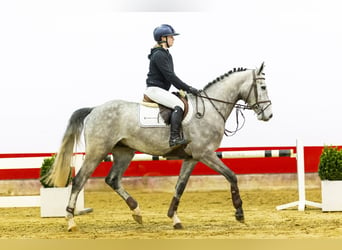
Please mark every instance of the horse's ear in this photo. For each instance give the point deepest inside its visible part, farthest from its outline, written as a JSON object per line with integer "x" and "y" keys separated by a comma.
{"x": 261, "y": 68}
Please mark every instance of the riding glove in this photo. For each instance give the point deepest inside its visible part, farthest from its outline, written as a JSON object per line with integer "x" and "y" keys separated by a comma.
{"x": 194, "y": 91}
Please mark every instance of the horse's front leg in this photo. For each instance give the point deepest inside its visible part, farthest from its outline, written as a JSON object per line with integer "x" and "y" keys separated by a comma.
{"x": 186, "y": 169}
{"x": 212, "y": 161}
{"x": 237, "y": 202}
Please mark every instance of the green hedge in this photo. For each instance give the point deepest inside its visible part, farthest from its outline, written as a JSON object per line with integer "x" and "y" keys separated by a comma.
{"x": 330, "y": 165}
{"x": 45, "y": 168}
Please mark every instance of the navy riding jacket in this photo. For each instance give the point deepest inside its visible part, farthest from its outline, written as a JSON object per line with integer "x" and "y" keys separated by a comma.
{"x": 161, "y": 73}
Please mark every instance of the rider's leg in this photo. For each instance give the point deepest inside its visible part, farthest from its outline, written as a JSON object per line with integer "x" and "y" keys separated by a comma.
{"x": 176, "y": 123}
{"x": 168, "y": 99}
{"x": 164, "y": 97}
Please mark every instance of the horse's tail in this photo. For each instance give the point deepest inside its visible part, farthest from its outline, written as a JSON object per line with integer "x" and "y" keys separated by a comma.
{"x": 60, "y": 170}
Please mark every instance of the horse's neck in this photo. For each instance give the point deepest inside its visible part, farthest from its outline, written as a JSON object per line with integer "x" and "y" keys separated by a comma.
{"x": 230, "y": 90}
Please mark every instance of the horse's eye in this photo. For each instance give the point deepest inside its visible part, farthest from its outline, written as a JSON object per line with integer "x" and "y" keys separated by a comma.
{"x": 263, "y": 87}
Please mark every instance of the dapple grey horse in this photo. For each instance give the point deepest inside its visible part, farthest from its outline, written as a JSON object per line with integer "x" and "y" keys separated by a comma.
{"x": 114, "y": 128}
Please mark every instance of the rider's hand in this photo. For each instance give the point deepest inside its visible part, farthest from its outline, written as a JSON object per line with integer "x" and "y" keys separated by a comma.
{"x": 194, "y": 91}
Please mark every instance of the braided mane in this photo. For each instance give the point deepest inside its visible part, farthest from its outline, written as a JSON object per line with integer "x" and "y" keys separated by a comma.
{"x": 223, "y": 76}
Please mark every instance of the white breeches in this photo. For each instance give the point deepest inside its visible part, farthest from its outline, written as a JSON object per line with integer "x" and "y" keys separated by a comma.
{"x": 163, "y": 97}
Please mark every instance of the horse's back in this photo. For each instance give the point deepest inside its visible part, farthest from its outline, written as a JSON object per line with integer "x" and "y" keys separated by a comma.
{"x": 116, "y": 106}
{"x": 113, "y": 113}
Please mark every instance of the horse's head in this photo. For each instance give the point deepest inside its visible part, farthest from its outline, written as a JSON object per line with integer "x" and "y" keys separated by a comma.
{"x": 257, "y": 97}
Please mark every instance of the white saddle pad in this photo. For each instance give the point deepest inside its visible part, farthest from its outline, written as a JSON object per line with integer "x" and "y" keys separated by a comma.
{"x": 150, "y": 117}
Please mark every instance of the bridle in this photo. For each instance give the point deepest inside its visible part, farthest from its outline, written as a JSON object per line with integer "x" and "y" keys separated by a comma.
{"x": 256, "y": 106}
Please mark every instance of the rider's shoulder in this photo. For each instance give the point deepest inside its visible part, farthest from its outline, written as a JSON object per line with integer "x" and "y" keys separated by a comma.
{"x": 158, "y": 52}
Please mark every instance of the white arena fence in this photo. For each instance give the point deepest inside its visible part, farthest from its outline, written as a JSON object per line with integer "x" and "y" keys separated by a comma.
{"x": 35, "y": 162}
{"x": 29, "y": 163}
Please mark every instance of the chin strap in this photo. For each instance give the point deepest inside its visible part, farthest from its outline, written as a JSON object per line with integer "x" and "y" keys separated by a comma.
{"x": 167, "y": 42}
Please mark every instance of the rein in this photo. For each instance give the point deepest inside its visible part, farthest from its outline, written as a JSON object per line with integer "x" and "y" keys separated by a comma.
{"x": 238, "y": 107}
{"x": 238, "y": 110}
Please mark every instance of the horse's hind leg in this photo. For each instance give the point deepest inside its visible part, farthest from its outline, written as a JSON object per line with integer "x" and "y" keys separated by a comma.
{"x": 122, "y": 158}
{"x": 187, "y": 167}
{"x": 216, "y": 164}
{"x": 91, "y": 161}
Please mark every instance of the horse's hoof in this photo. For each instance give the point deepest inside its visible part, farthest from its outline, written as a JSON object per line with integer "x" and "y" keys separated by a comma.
{"x": 72, "y": 228}
{"x": 240, "y": 219}
{"x": 178, "y": 226}
{"x": 239, "y": 215}
{"x": 137, "y": 218}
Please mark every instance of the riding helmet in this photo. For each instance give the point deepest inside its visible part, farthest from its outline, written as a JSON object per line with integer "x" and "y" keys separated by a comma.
{"x": 163, "y": 30}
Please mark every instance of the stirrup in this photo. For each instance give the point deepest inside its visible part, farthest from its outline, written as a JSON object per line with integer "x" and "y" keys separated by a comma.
{"x": 178, "y": 141}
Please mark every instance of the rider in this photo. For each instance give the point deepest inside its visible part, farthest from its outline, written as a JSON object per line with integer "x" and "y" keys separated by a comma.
{"x": 161, "y": 76}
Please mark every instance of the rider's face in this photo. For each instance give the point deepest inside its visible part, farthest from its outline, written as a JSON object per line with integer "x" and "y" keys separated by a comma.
{"x": 169, "y": 39}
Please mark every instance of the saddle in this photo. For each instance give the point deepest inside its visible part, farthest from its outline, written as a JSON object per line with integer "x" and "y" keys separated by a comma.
{"x": 164, "y": 111}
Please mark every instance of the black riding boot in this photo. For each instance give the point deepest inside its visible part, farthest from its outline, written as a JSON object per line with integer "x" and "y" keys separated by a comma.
{"x": 176, "y": 122}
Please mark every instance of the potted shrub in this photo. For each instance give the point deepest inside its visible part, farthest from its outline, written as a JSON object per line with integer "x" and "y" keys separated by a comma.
{"x": 45, "y": 169}
{"x": 53, "y": 201}
{"x": 330, "y": 173}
